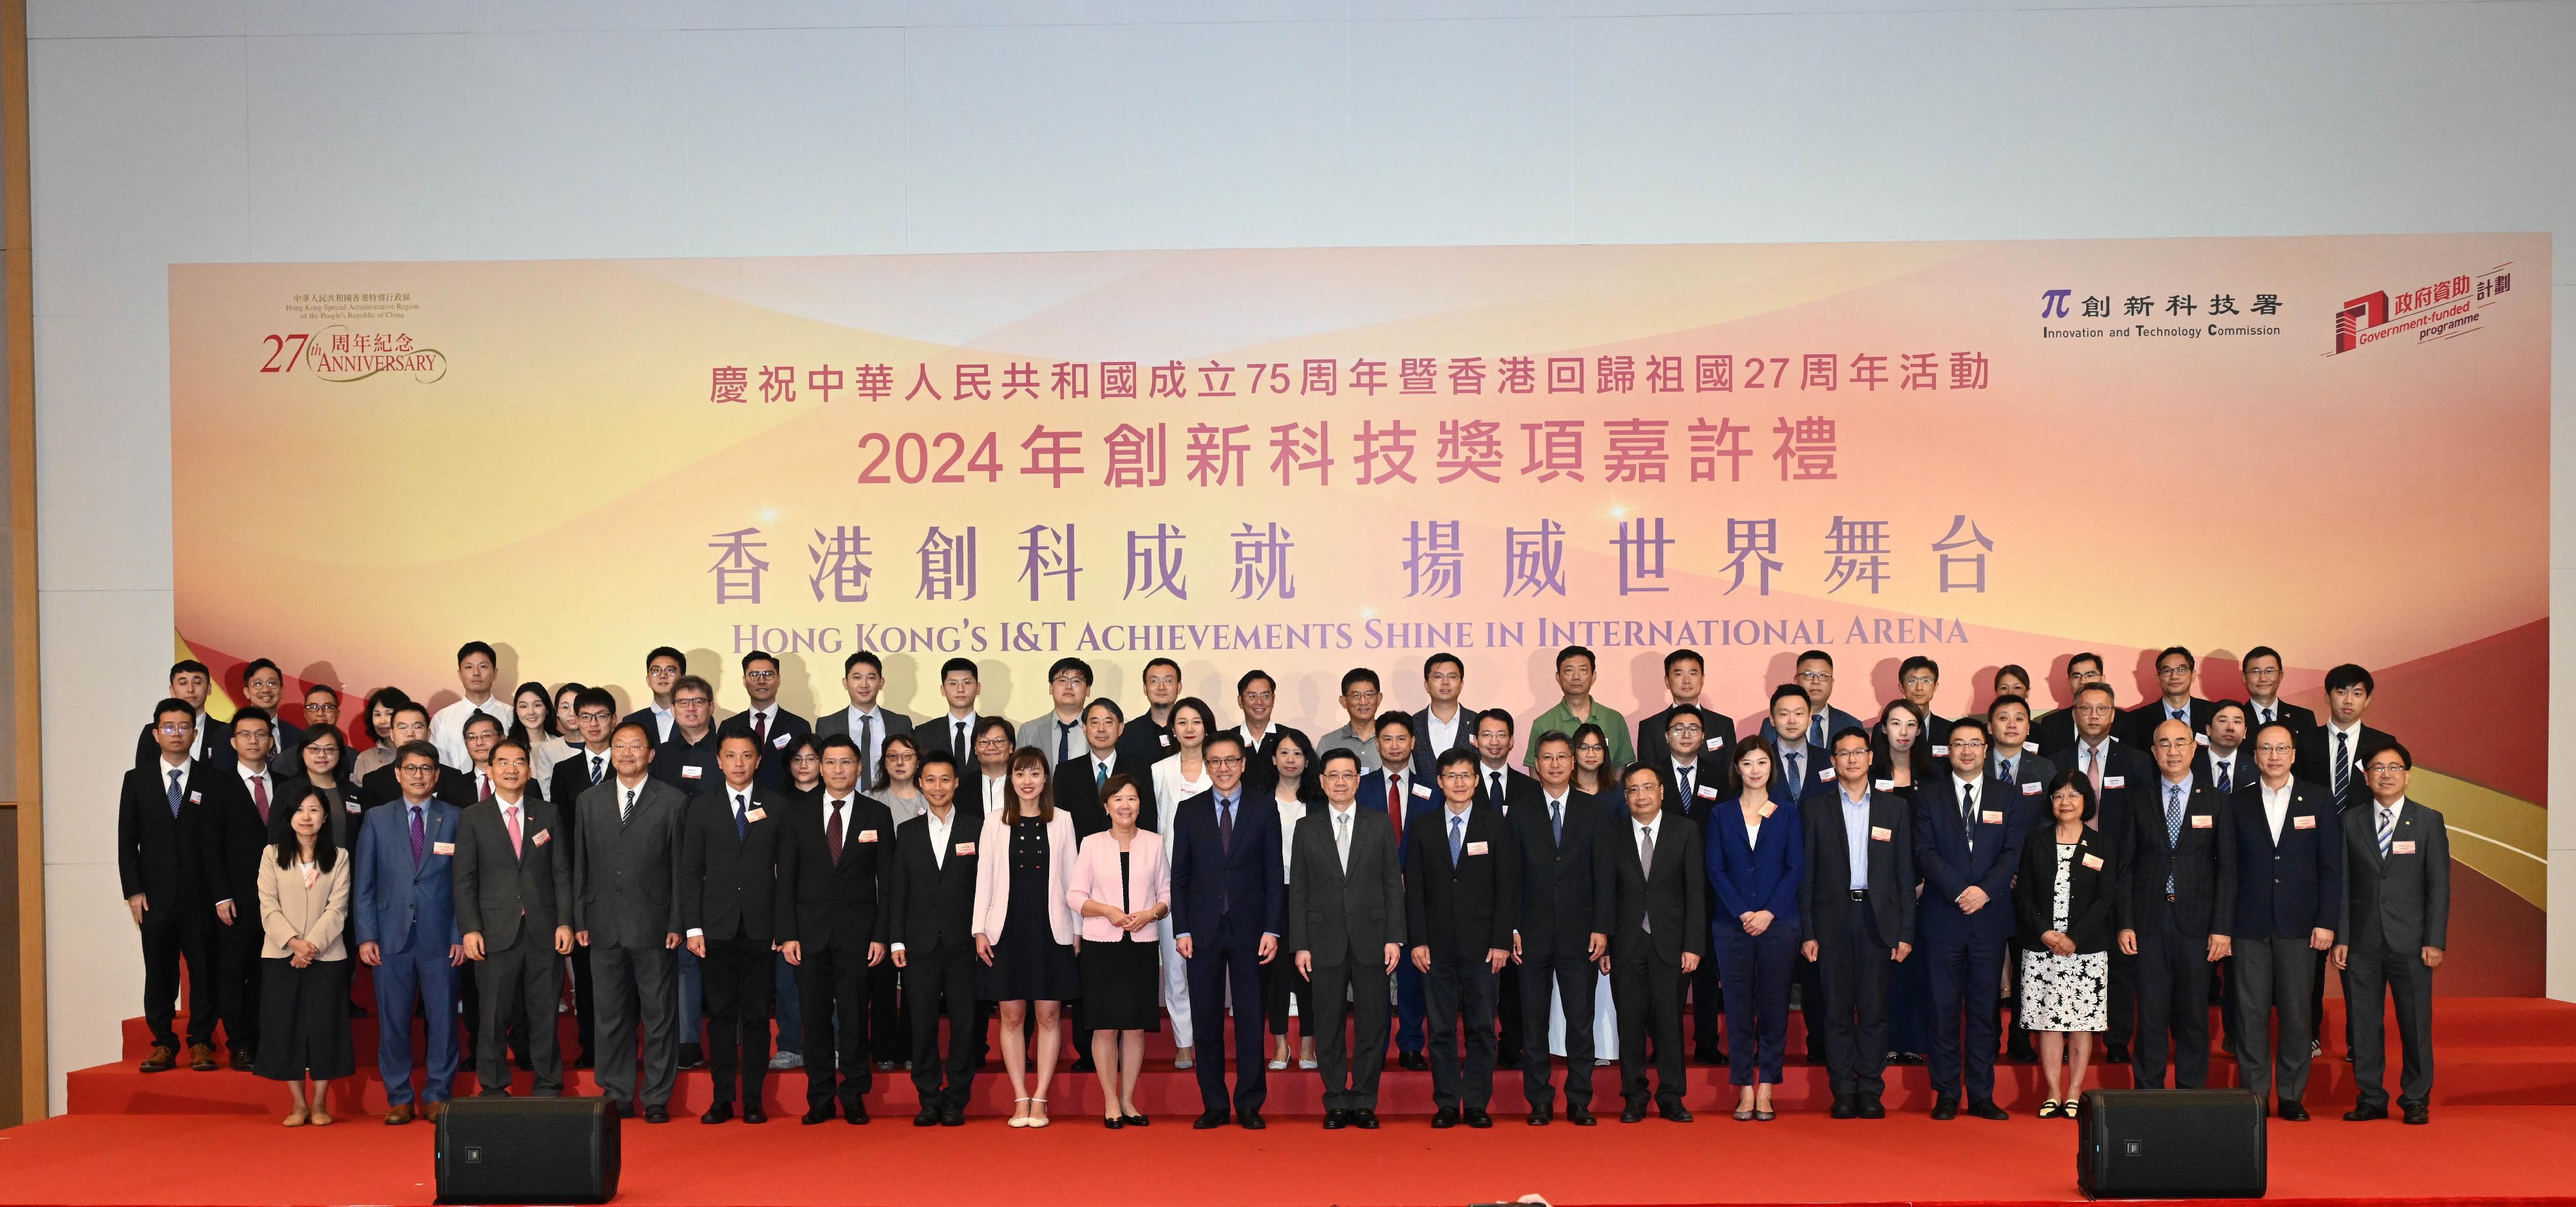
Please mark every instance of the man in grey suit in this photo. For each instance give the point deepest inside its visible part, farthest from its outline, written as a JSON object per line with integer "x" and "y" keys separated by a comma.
{"x": 513, "y": 882}
{"x": 2396, "y": 921}
{"x": 1058, "y": 734}
{"x": 626, "y": 910}
{"x": 867, "y": 720}
{"x": 1346, "y": 924}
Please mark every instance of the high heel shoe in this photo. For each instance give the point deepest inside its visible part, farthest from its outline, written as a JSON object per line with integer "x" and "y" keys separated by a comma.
{"x": 1019, "y": 1114}
{"x": 1038, "y": 1117}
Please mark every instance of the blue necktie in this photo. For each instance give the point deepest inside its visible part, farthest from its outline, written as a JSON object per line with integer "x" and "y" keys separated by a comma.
{"x": 2387, "y": 830}
{"x": 741, "y": 823}
{"x": 1225, "y": 825}
{"x": 2006, "y": 768}
{"x": 174, "y": 790}
{"x": 419, "y": 837}
{"x": 2225, "y": 780}
{"x": 1556, "y": 820}
{"x": 1795, "y": 771}
{"x": 1457, "y": 837}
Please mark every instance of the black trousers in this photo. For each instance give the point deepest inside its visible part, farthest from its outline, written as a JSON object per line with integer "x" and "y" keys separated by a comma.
{"x": 584, "y": 1028}
{"x": 175, "y": 937}
{"x": 889, "y": 1024}
{"x": 1281, "y": 984}
{"x": 2123, "y": 999}
{"x": 520, "y": 981}
{"x": 1461, "y": 991}
{"x": 1571, "y": 977}
{"x": 1508, "y": 1011}
{"x": 1809, "y": 982}
{"x": 1648, "y": 993}
{"x": 234, "y": 952}
{"x": 1220, "y": 963}
{"x": 2173, "y": 1005}
{"x": 938, "y": 983}
{"x": 739, "y": 985}
{"x": 1854, "y": 970}
{"x": 2375, "y": 977}
{"x": 1354, "y": 991}
{"x": 1707, "y": 1005}
{"x": 832, "y": 990}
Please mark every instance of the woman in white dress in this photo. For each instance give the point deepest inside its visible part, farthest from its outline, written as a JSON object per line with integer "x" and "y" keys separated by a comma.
{"x": 2062, "y": 899}
{"x": 1178, "y": 777}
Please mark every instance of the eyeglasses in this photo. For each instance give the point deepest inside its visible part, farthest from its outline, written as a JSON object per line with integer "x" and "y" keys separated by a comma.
{"x": 1456, "y": 776}
{"x": 1967, "y": 743}
{"x": 992, "y": 741}
{"x": 175, "y": 728}
{"x": 1920, "y": 681}
{"x": 2273, "y": 748}
{"x": 1591, "y": 748}
{"x": 593, "y": 714}
{"x": 417, "y": 768}
{"x": 685, "y": 701}
{"x": 763, "y": 676}
{"x": 1361, "y": 697}
{"x": 1226, "y": 760}
{"x": 661, "y": 672}
{"x": 2167, "y": 672}
{"x": 1067, "y": 679}
{"x": 1815, "y": 676}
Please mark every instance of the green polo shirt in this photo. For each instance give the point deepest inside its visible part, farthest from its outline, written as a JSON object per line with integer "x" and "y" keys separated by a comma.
{"x": 1614, "y": 732}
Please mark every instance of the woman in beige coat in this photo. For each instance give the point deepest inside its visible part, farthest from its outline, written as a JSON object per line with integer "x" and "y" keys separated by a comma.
{"x": 304, "y": 961}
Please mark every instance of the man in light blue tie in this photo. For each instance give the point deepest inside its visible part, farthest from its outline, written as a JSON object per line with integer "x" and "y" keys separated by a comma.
{"x": 1461, "y": 904}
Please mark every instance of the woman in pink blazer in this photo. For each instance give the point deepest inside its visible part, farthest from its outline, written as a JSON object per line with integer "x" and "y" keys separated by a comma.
{"x": 1122, "y": 888}
{"x": 1024, "y": 929}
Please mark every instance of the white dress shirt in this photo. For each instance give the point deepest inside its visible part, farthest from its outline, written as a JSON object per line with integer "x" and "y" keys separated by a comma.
{"x": 2276, "y": 808}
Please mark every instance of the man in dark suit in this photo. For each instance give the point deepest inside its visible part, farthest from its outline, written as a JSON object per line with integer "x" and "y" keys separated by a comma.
{"x": 2225, "y": 762}
{"x": 1796, "y": 740}
{"x": 2177, "y": 910}
{"x": 2289, "y": 895}
{"x": 513, "y": 896}
{"x": 1693, "y": 777}
{"x": 1346, "y": 924}
{"x": 1078, "y": 779}
{"x": 952, "y": 733}
{"x": 1553, "y": 946}
{"x": 1968, "y": 831}
{"x": 2176, "y": 669}
{"x": 190, "y": 684}
{"x": 1147, "y": 739}
{"x": 1461, "y": 903}
{"x": 730, "y": 843}
{"x": 1685, "y": 674}
{"x": 930, "y": 934}
{"x": 1815, "y": 681}
{"x": 1227, "y": 909}
{"x": 834, "y": 856}
{"x": 1444, "y": 724}
{"x": 1652, "y": 911}
{"x": 385, "y": 784}
{"x": 1396, "y": 790}
{"x": 1859, "y": 917}
{"x": 1918, "y": 680}
{"x": 264, "y": 687}
{"x": 662, "y": 670}
{"x": 685, "y": 758}
{"x": 1502, "y": 787}
{"x": 2330, "y": 757}
{"x": 867, "y": 722}
{"x": 2394, "y": 926}
{"x": 402, "y": 908}
{"x": 2262, "y": 667}
{"x": 2056, "y": 731}
{"x": 594, "y": 717}
{"x": 241, "y": 798}
{"x": 162, "y": 819}
{"x": 626, "y": 909}
{"x": 771, "y": 727}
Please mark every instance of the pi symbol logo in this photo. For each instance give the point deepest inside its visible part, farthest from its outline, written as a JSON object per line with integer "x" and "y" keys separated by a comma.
{"x": 2052, "y": 304}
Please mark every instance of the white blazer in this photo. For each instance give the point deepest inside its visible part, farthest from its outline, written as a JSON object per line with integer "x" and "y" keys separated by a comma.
{"x": 993, "y": 875}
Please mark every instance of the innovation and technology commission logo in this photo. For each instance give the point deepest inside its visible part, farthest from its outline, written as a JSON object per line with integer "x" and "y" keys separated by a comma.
{"x": 2441, "y": 310}
{"x": 351, "y": 337}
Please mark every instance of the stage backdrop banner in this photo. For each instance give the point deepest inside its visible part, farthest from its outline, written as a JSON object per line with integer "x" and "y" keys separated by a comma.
{"x": 1309, "y": 460}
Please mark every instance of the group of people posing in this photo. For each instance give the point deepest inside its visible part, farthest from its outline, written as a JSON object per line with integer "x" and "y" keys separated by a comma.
{"x": 1443, "y": 888}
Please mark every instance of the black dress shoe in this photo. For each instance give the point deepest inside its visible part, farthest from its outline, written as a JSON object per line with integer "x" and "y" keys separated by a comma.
{"x": 854, "y": 1113}
{"x": 928, "y": 1117}
{"x": 1415, "y": 1061}
{"x": 1446, "y": 1116}
{"x": 1250, "y": 1120}
{"x": 1477, "y": 1117}
{"x": 1870, "y": 1107}
{"x": 242, "y": 1060}
{"x": 692, "y": 1056}
{"x": 814, "y": 1115}
{"x": 1336, "y": 1119}
{"x": 1364, "y": 1119}
{"x": 1634, "y": 1112}
{"x": 618, "y": 1110}
{"x": 2292, "y": 1111}
{"x": 1845, "y": 1107}
{"x": 2117, "y": 1054}
{"x": 657, "y": 1114}
{"x": 1677, "y": 1113}
{"x": 952, "y": 1116}
{"x": 2364, "y": 1114}
{"x": 1209, "y": 1120}
{"x": 1541, "y": 1116}
{"x": 718, "y": 1113}
{"x": 1985, "y": 1108}
{"x": 2418, "y": 1114}
{"x": 1945, "y": 1108}
{"x": 1580, "y": 1116}
{"x": 753, "y": 1114}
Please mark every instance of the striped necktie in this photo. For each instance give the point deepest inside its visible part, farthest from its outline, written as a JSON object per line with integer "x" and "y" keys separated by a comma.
{"x": 2387, "y": 829}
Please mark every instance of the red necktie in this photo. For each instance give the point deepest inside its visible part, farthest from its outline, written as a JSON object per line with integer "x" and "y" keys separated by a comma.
{"x": 1395, "y": 805}
{"x": 482, "y": 786}
{"x": 832, "y": 833}
{"x": 259, "y": 796}
{"x": 760, "y": 730}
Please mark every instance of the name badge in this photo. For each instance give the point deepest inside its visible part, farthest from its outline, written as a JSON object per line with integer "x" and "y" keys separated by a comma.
{"x": 1824, "y": 775}
{"x": 754, "y": 815}
{"x": 2094, "y": 862}
{"x": 1475, "y": 848}
{"x": 353, "y": 806}
{"x": 2201, "y": 738}
{"x": 1941, "y": 752}
{"x": 2030, "y": 789}
{"x": 2401, "y": 848}
{"x": 442, "y": 848}
{"x": 1422, "y": 791}
{"x": 1717, "y": 743}
{"x": 782, "y": 740}
{"x": 1167, "y": 738}
{"x": 1992, "y": 817}
{"x": 541, "y": 837}
{"x": 871, "y": 836}
{"x": 692, "y": 772}
{"x": 2115, "y": 781}
{"x": 2303, "y": 822}
{"x": 2202, "y": 821}
{"x": 192, "y": 797}
{"x": 963, "y": 848}
{"x": 1886, "y": 785}
{"x": 1768, "y": 808}
{"x": 1882, "y": 834}
{"x": 2030, "y": 747}
{"x": 1707, "y": 793}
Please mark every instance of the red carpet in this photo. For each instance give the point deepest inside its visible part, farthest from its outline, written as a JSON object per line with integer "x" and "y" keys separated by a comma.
{"x": 2474, "y": 1154}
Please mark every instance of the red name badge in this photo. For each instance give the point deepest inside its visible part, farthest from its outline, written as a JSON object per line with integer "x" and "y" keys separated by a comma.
{"x": 2303, "y": 822}
{"x": 1882, "y": 834}
{"x": 442, "y": 848}
{"x": 2030, "y": 789}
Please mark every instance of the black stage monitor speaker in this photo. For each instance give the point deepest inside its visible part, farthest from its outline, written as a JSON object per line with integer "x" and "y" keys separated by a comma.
{"x": 527, "y": 1150}
{"x": 2171, "y": 1144}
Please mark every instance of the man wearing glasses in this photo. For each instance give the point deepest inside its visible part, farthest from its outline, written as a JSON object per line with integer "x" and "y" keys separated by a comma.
{"x": 1919, "y": 679}
{"x": 1359, "y": 701}
{"x": 1685, "y": 674}
{"x": 1576, "y": 671}
{"x": 1461, "y": 905}
{"x": 321, "y": 711}
{"x": 626, "y": 911}
{"x": 2056, "y": 730}
{"x": 161, "y": 817}
{"x": 2395, "y": 924}
{"x": 1816, "y": 679}
{"x": 1694, "y": 776}
{"x": 686, "y": 760}
{"x": 1968, "y": 831}
{"x": 1257, "y": 693}
{"x": 771, "y": 727}
{"x": 402, "y": 908}
{"x": 2289, "y": 891}
{"x": 662, "y": 670}
{"x": 2175, "y": 671}
{"x": 1228, "y": 907}
{"x": 1058, "y": 735}
{"x": 385, "y": 784}
{"x": 2180, "y": 894}
{"x": 2263, "y": 705}
{"x": 2120, "y": 774}
{"x": 594, "y": 714}
{"x": 264, "y": 686}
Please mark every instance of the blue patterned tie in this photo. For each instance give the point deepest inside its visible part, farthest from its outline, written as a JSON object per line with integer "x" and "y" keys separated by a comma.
{"x": 2387, "y": 829}
{"x": 1457, "y": 837}
{"x": 174, "y": 790}
{"x": 2173, "y": 826}
{"x": 741, "y": 823}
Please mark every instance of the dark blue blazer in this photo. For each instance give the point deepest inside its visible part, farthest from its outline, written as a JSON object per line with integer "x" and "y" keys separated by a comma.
{"x": 394, "y": 902}
{"x": 1942, "y": 858}
{"x": 1247, "y": 878}
{"x": 1373, "y": 796}
{"x": 1749, "y": 878}
{"x": 2285, "y": 891}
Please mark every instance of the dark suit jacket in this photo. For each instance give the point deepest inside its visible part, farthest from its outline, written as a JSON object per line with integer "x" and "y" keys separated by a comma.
{"x": 1746, "y": 877}
{"x": 1224, "y": 894}
{"x": 381, "y": 787}
{"x": 216, "y": 743}
{"x": 929, "y": 905}
{"x": 844, "y": 906}
{"x": 1708, "y": 783}
{"x": 1674, "y": 898}
{"x": 773, "y": 753}
{"x": 158, "y": 855}
{"x": 652, "y": 724}
{"x": 1556, "y": 877}
{"x": 1426, "y": 761}
{"x": 2316, "y": 764}
{"x": 1467, "y": 907}
{"x": 1340, "y": 916}
{"x": 2403, "y": 902}
{"x": 2031, "y": 773}
{"x": 626, "y": 873}
{"x": 934, "y": 733}
{"x": 2300, "y": 720}
{"x": 344, "y": 816}
{"x": 1891, "y": 866}
{"x": 1822, "y": 727}
{"x": 1718, "y": 735}
{"x": 1260, "y": 773}
{"x": 729, "y": 884}
{"x": 2202, "y": 863}
{"x": 2137, "y": 726}
{"x": 2092, "y": 893}
{"x": 1417, "y": 793}
{"x": 2204, "y": 769}
{"x": 2288, "y": 888}
{"x": 2055, "y": 731}
{"x": 1948, "y": 867}
{"x": 2128, "y": 777}
{"x": 1519, "y": 788}
{"x": 496, "y": 886}
{"x": 571, "y": 778}
{"x": 1078, "y": 795}
{"x": 235, "y": 837}
{"x": 1816, "y": 770}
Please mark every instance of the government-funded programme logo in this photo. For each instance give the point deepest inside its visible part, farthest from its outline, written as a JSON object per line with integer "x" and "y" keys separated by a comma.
{"x": 2439, "y": 310}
